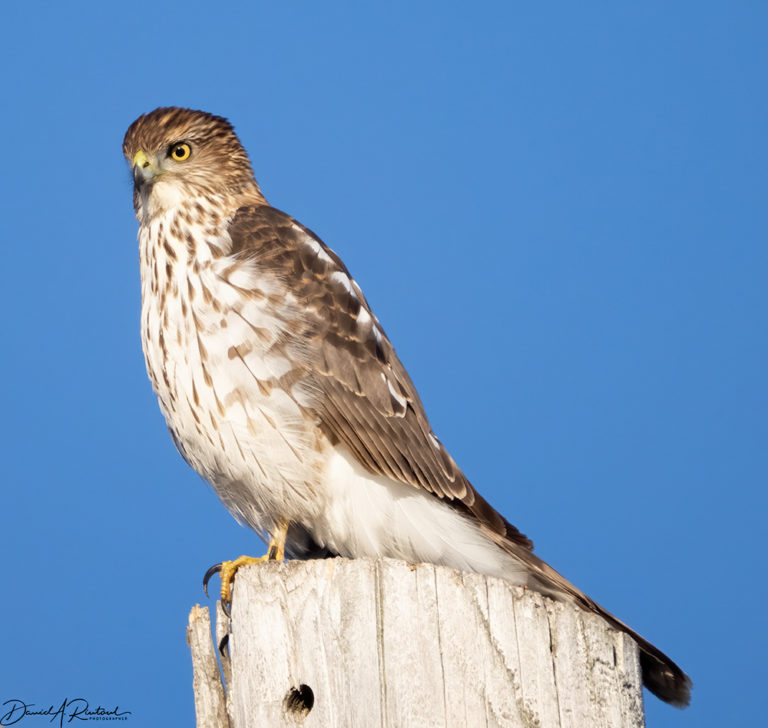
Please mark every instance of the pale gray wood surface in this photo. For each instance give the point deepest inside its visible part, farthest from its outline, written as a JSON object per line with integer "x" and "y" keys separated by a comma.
{"x": 210, "y": 701}
{"x": 388, "y": 644}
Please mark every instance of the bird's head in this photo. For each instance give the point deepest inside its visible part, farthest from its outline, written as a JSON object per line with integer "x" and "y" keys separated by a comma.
{"x": 177, "y": 154}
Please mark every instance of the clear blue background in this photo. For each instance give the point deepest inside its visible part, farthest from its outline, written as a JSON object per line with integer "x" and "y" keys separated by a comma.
{"x": 558, "y": 213}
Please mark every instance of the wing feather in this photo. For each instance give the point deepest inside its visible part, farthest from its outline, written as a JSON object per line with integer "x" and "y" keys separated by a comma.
{"x": 367, "y": 400}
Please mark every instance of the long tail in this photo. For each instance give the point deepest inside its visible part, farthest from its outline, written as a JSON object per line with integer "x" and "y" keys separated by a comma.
{"x": 661, "y": 675}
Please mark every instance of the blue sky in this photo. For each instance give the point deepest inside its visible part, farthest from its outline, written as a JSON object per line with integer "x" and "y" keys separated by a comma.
{"x": 558, "y": 212}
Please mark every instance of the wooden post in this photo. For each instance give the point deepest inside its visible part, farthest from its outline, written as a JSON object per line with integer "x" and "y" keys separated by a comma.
{"x": 383, "y": 644}
{"x": 210, "y": 701}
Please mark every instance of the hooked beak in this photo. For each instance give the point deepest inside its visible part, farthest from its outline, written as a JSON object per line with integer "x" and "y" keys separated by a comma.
{"x": 144, "y": 168}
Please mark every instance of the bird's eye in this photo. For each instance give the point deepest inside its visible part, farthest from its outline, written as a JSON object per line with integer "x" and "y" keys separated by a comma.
{"x": 179, "y": 152}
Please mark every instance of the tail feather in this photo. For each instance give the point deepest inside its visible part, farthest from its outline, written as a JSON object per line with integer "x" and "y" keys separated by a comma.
{"x": 661, "y": 675}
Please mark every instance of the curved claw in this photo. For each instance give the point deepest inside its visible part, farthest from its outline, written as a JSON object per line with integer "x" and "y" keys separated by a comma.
{"x": 215, "y": 569}
{"x": 227, "y": 569}
{"x": 223, "y": 645}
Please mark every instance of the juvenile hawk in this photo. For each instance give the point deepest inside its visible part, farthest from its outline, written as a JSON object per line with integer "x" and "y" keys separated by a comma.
{"x": 280, "y": 387}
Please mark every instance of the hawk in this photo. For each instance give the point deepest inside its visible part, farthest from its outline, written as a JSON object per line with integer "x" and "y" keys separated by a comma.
{"x": 281, "y": 389}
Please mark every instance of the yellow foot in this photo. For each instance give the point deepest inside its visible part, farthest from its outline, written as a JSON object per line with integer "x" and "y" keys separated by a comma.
{"x": 227, "y": 573}
{"x": 227, "y": 569}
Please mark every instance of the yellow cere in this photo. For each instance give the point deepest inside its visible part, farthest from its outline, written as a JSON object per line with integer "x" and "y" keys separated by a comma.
{"x": 140, "y": 159}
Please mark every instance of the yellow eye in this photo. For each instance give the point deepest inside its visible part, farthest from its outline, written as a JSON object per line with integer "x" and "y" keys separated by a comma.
{"x": 179, "y": 152}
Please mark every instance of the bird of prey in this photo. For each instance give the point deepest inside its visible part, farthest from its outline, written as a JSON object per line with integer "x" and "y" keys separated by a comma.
{"x": 280, "y": 387}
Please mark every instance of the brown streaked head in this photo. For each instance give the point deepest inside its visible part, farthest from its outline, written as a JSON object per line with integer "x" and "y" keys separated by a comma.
{"x": 193, "y": 150}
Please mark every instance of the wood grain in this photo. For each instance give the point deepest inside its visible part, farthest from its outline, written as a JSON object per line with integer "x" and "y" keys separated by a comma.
{"x": 387, "y": 644}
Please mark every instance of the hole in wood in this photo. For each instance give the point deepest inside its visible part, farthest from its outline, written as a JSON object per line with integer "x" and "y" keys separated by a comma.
{"x": 299, "y": 701}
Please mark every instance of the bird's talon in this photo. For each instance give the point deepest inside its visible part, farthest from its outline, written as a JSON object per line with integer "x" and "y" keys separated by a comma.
{"x": 215, "y": 569}
{"x": 227, "y": 569}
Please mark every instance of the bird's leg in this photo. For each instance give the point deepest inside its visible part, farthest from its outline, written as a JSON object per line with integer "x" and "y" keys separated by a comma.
{"x": 276, "y": 549}
{"x": 227, "y": 569}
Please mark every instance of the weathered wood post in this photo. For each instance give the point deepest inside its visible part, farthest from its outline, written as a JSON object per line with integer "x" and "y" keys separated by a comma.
{"x": 384, "y": 644}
